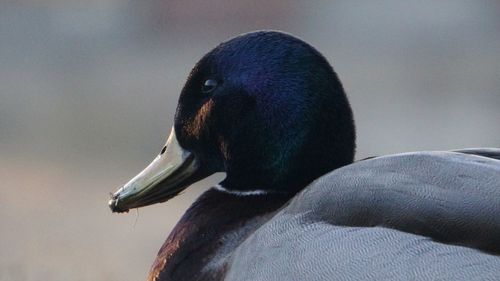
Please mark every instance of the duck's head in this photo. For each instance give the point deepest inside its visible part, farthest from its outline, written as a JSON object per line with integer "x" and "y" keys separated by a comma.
{"x": 266, "y": 108}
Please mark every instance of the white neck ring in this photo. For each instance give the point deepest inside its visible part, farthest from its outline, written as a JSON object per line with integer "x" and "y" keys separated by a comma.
{"x": 239, "y": 192}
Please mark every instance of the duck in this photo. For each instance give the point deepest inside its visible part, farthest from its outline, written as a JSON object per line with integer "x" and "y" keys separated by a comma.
{"x": 268, "y": 110}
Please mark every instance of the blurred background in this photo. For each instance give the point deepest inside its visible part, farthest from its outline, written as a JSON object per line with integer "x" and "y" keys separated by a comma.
{"x": 88, "y": 91}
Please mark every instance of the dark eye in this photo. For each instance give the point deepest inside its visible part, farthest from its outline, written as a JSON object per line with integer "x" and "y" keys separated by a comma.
{"x": 208, "y": 86}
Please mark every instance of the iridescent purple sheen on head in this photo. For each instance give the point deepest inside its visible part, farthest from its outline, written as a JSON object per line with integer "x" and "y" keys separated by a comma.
{"x": 279, "y": 104}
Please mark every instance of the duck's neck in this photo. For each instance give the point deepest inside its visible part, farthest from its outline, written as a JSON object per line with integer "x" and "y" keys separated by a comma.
{"x": 202, "y": 241}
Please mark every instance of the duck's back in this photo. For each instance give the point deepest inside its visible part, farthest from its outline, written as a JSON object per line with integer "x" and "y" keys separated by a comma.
{"x": 414, "y": 216}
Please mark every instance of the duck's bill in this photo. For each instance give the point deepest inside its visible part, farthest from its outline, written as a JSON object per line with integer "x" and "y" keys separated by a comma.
{"x": 169, "y": 173}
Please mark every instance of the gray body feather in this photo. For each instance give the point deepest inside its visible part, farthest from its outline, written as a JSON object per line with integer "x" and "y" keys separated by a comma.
{"x": 413, "y": 216}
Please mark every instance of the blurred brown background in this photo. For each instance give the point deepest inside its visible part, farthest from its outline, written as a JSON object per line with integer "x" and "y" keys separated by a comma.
{"x": 88, "y": 90}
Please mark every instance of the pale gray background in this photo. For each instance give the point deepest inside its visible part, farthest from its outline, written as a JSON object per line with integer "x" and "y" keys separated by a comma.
{"x": 88, "y": 90}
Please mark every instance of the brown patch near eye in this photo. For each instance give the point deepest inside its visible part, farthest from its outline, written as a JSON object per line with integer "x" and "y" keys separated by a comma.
{"x": 197, "y": 124}
{"x": 223, "y": 147}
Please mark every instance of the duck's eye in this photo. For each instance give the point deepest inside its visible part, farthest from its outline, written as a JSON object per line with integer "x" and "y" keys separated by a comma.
{"x": 163, "y": 150}
{"x": 209, "y": 85}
